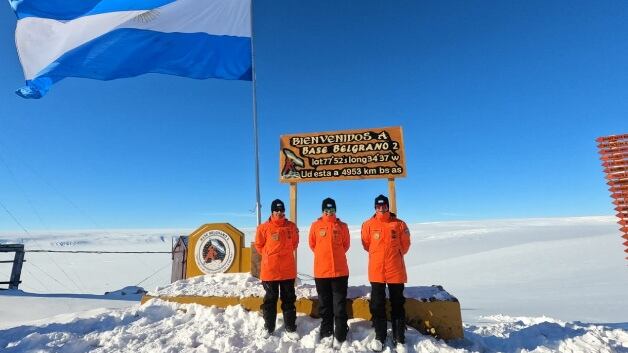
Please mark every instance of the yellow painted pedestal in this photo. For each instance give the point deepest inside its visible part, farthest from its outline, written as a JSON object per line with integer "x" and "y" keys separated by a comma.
{"x": 441, "y": 319}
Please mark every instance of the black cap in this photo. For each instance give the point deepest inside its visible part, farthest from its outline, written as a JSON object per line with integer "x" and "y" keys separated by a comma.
{"x": 328, "y": 203}
{"x": 277, "y": 205}
{"x": 381, "y": 200}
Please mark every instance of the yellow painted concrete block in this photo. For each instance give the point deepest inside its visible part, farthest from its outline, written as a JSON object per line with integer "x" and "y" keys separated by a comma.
{"x": 441, "y": 319}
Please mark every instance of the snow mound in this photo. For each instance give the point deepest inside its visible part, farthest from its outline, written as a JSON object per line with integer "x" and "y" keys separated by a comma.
{"x": 243, "y": 285}
{"x": 543, "y": 334}
{"x": 160, "y": 326}
{"x": 127, "y": 291}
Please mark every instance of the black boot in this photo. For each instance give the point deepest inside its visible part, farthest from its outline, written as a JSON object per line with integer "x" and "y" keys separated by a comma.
{"x": 380, "y": 330}
{"x": 269, "y": 320}
{"x": 290, "y": 320}
{"x": 399, "y": 331}
{"x": 393, "y": 323}
{"x": 340, "y": 330}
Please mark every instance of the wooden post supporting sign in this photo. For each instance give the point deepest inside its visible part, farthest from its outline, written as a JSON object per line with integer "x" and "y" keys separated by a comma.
{"x": 293, "y": 210}
{"x": 293, "y": 202}
{"x": 392, "y": 197}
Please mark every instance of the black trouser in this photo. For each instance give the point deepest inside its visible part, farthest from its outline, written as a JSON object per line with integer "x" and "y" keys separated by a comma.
{"x": 332, "y": 306}
{"x": 269, "y": 307}
{"x": 397, "y": 313}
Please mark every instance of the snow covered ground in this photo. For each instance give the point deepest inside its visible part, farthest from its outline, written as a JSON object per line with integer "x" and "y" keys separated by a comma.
{"x": 244, "y": 285}
{"x": 541, "y": 285}
{"x": 168, "y": 327}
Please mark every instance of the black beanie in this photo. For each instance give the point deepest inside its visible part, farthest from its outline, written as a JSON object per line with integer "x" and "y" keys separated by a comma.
{"x": 328, "y": 203}
{"x": 277, "y": 205}
{"x": 381, "y": 200}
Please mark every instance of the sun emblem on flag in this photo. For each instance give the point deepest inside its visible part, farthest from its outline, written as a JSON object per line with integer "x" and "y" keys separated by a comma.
{"x": 147, "y": 16}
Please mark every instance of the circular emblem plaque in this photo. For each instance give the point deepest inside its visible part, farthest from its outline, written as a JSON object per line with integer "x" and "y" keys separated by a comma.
{"x": 214, "y": 252}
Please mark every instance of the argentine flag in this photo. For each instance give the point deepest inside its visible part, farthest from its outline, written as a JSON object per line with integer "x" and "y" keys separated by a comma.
{"x": 109, "y": 39}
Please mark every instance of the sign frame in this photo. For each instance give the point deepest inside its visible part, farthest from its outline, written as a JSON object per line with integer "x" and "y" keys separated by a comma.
{"x": 376, "y": 153}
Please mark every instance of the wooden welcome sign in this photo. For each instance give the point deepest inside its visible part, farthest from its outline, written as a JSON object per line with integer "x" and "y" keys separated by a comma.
{"x": 342, "y": 155}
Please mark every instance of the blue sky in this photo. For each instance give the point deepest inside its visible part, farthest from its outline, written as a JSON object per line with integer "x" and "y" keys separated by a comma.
{"x": 500, "y": 103}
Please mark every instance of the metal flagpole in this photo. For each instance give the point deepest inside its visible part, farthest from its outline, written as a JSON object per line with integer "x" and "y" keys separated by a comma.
{"x": 258, "y": 206}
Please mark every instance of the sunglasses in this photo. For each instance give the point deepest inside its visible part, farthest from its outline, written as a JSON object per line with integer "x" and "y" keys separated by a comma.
{"x": 330, "y": 210}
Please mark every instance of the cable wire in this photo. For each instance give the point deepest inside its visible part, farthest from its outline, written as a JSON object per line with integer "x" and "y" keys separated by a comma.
{"x": 59, "y": 193}
{"x": 154, "y": 273}
{"x": 100, "y": 252}
{"x": 81, "y": 211}
{"x": 26, "y": 231}
{"x": 13, "y": 217}
{"x": 54, "y": 279}
{"x": 36, "y": 279}
{"x": 19, "y": 187}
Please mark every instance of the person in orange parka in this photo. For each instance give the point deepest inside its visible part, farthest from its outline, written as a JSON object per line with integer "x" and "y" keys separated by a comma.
{"x": 276, "y": 241}
{"x": 329, "y": 240}
{"x": 387, "y": 240}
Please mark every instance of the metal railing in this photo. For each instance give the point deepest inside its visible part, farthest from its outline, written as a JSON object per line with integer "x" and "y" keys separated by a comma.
{"x": 17, "y": 262}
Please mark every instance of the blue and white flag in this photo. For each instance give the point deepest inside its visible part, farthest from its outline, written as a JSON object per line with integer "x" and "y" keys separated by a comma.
{"x": 109, "y": 39}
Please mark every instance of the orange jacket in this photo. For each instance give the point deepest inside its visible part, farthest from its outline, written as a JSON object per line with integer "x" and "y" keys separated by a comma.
{"x": 387, "y": 239}
{"x": 276, "y": 240}
{"x": 329, "y": 240}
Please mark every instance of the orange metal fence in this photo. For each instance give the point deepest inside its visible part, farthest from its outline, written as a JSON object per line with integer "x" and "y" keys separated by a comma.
{"x": 614, "y": 155}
